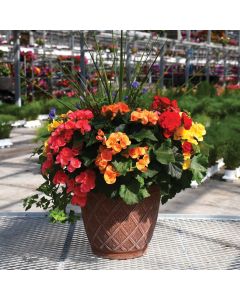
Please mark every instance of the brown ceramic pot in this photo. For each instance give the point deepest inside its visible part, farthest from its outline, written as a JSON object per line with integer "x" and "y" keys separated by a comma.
{"x": 116, "y": 230}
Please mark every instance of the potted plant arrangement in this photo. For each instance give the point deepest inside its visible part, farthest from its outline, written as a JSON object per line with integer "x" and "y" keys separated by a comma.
{"x": 213, "y": 161}
{"x": 118, "y": 160}
{"x": 5, "y": 130}
{"x": 232, "y": 160}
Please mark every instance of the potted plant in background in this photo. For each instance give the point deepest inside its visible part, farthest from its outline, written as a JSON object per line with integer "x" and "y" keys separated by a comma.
{"x": 117, "y": 160}
{"x": 5, "y": 130}
{"x": 232, "y": 160}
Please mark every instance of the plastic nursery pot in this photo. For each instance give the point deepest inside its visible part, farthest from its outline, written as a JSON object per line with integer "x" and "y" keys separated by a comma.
{"x": 230, "y": 175}
{"x": 238, "y": 172}
{"x": 116, "y": 230}
{"x": 212, "y": 170}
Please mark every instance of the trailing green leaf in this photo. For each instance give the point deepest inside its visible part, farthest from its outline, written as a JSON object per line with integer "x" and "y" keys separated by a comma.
{"x": 57, "y": 215}
{"x": 197, "y": 167}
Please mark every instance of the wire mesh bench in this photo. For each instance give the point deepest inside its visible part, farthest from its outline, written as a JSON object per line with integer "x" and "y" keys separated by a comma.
{"x": 28, "y": 241}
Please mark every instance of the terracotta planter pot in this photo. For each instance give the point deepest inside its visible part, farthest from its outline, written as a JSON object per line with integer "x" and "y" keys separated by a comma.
{"x": 116, "y": 230}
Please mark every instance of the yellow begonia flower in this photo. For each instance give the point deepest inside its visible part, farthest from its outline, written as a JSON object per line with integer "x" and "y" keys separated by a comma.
{"x": 186, "y": 164}
{"x": 45, "y": 148}
{"x": 193, "y": 135}
{"x": 186, "y": 156}
{"x": 198, "y": 131}
{"x": 54, "y": 125}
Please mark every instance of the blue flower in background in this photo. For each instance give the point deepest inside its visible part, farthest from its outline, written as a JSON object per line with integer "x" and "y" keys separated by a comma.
{"x": 126, "y": 97}
{"x": 135, "y": 84}
{"x": 114, "y": 93}
{"x": 52, "y": 113}
{"x": 144, "y": 91}
{"x": 78, "y": 106}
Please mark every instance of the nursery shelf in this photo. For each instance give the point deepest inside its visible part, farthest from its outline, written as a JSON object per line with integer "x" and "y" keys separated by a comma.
{"x": 28, "y": 241}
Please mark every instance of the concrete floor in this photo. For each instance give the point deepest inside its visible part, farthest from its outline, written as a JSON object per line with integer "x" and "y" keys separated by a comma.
{"x": 19, "y": 177}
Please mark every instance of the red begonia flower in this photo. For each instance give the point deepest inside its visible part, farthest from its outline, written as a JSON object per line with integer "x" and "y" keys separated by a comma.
{"x": 60, "y": 177}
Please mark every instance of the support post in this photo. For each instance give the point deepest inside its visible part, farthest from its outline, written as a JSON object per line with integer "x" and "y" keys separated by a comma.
{"x": 225, "y": 66}
{"x": 18, "y": 100}
{"x": 179, "y": 35}
{"x": 162, "y": 65}
{"x": 208, "y": 56}
{"x": 239, "y": 57}
{"x": 187, "y": 64}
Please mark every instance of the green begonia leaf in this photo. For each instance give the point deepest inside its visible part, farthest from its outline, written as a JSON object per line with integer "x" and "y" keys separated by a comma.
{"x": 144, "y": 134}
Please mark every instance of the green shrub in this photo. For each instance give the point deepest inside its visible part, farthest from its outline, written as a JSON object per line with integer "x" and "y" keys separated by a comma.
{"x": 213, "y": 156}
{"x": 5, "y": 118}
{"x": 5, "y": 130}
{"x": 30, "y": 111}
{"x": 231, "y": 105}
{"x": 231, "y": 155}
{"x": 203, "y": 119}
{"x": 224, "y": 136}
{"x": 5, "y": 125}
{"x": 191, "y": 104}
{"x": 10, "y": 109}
{"x": 205, "y": 89}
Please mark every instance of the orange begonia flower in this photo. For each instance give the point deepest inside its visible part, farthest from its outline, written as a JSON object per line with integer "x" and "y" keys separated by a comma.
{"x": 114, "y": 109}
{"x": 101, "y": 136}
{"x": 103, "y": 158}
{"x": 110, "y": 175}
{"x": 106, "y": 154}
{"x": 137, "y": 151}
{"x": 118, "y": 141}
{"x": 142, "y": 163}
{"x": 101, "y": 163}
{"x": 145, "y": 116}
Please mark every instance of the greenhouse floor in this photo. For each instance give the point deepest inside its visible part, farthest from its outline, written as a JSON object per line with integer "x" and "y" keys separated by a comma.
{"x": 179, "y": 242}
{"x": 19, "y": 177}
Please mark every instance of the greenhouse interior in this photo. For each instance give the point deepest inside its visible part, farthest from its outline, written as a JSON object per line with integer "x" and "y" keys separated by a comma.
{"x": 120, "y": 112}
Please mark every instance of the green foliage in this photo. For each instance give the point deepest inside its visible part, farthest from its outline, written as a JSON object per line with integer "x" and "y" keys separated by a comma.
{"x": 57, "y": 215}
{"x": 5, "y": 118}
{"x": 205, "y": 89}
{"x": 198, "y": 167}
{"x": 4, "y": 70}
{"x": 231, "y": 154}
{"x": 203, "y": 119}
{"x": 164, "y": 153}
{"x": 144, "y": 134}
{"x": 10, "y": 109}
{"x": 133, "y": 191}
{"x": 222, "y": 133}
{"x": 122, "y": 165}
{"x": 5, "y": 130}
{"x": 30, "y": 111}
{"x": 42, "y": 133}
{"x": 5, "y": 125}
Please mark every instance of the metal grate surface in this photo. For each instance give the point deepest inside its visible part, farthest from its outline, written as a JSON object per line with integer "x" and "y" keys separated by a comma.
{"x": 28, "y": 242}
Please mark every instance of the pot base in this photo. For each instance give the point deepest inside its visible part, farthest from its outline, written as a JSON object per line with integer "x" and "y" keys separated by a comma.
{"x": 120, "y": 255}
